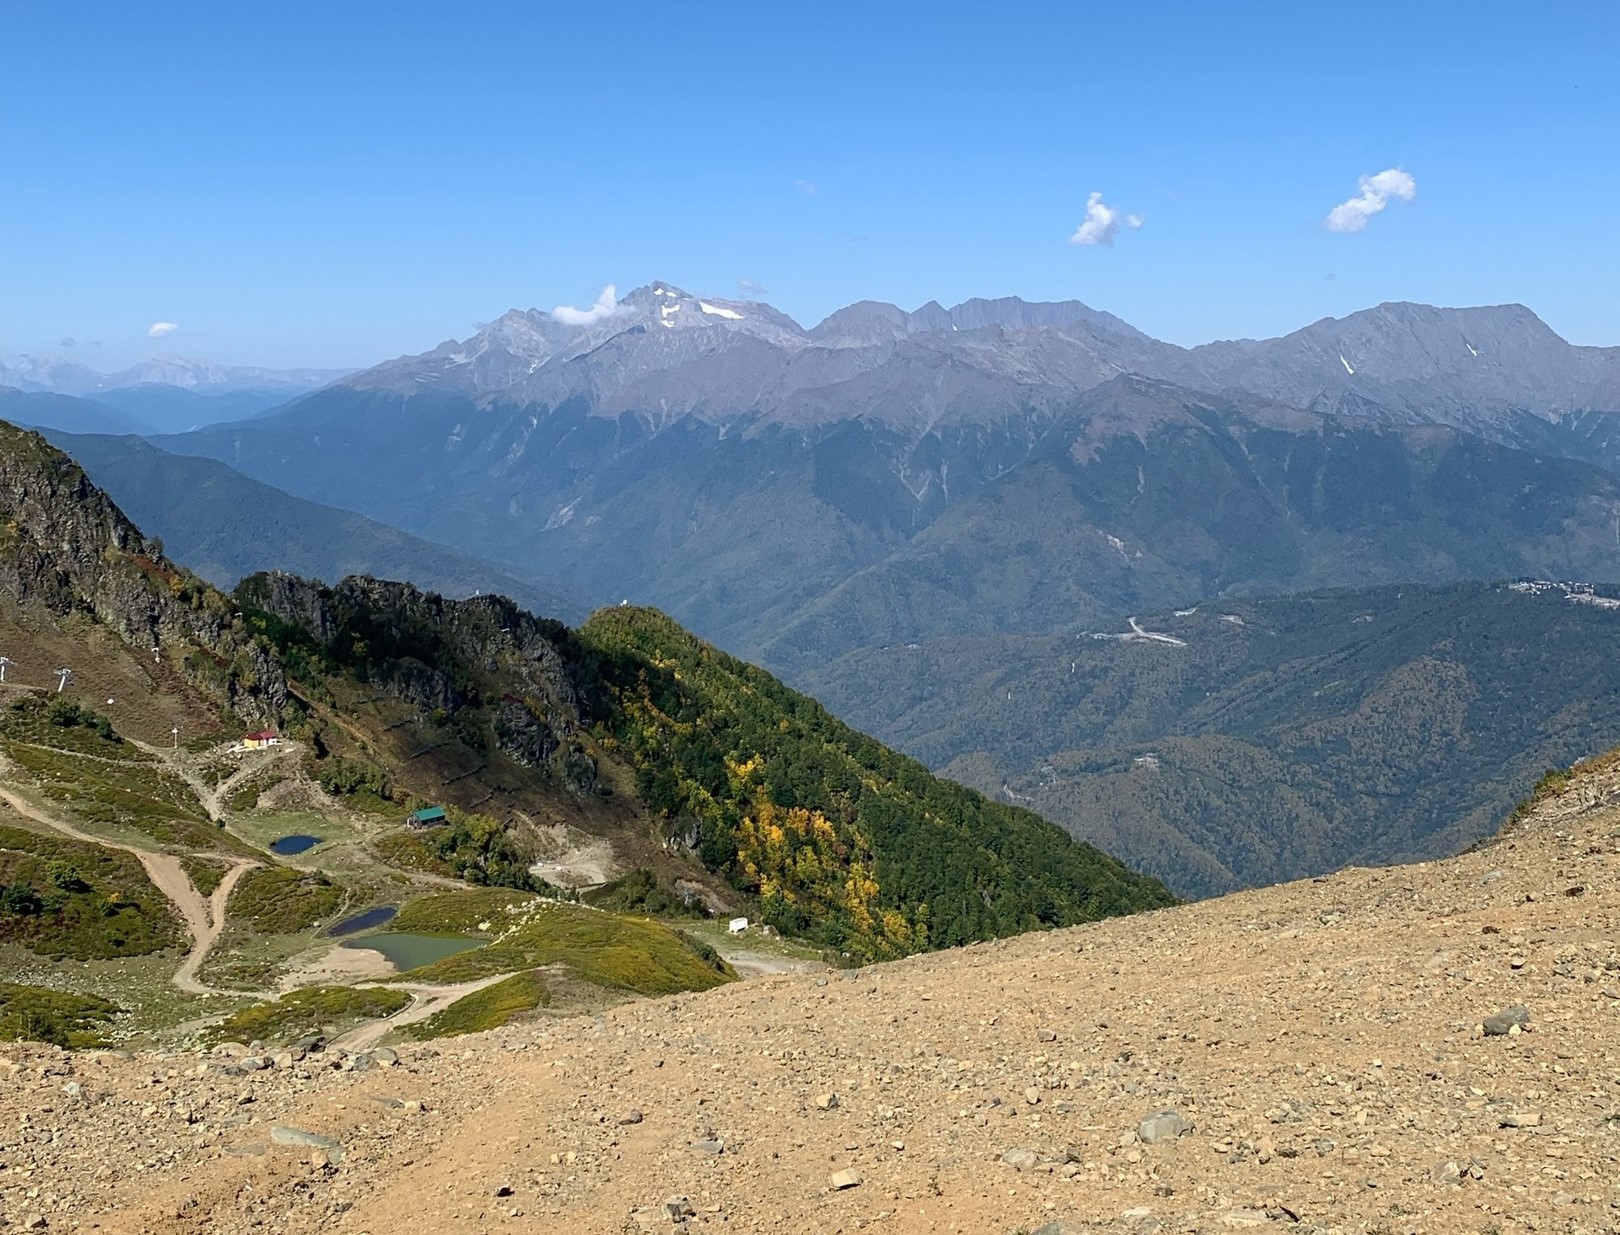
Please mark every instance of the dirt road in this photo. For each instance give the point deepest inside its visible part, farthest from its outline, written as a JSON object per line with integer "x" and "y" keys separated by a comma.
{"x": 426, "y": 1001}
{"x": 204, "y": 919}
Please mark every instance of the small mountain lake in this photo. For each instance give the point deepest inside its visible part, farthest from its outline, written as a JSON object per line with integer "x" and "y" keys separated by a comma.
{"x": 406, "y": 950}
{"x": 297, "y": 843}
{"x": 363, "y": 921}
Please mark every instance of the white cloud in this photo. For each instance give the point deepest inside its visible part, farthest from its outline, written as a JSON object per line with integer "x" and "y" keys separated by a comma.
{"x": 158, "y": 329}
{"x": 752, "y": 287}
{"x": 805, "y": 187}
{"x": 606, "y": 306}
{"x": 1102, "y": 223}
{"x": 1376, "y": 192}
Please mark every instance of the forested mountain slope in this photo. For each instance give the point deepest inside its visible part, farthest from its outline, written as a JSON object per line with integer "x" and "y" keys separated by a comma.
{"x": 1250, "y": 741}
{"x": 832, "y": 836}
{"x": 793, "y": 543}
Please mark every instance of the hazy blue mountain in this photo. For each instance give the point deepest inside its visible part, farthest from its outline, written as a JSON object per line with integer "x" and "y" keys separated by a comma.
{"x": 39, "y": 409}
{"x": 162, "y": 394}
{"x": 796, "y": 543}
{"x": 175, "y": 409}
{"x": 224, "y": 526}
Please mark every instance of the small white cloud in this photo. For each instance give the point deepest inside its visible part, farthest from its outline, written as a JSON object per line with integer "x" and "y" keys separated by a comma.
{"x": 752, "y": 287}
{"x": 158, "y": 329}
{"x": 606, "y": 306}
{"x": 70, "y": 341}
{"x": 805, "y": 187}
{"x": 1375, "y": 193}
{"x": 1102, "y": 223}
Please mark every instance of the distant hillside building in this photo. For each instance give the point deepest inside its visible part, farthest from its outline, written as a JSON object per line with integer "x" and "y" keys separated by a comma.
{"x": 262, "y": 740}
{"x": 427, "y": 817}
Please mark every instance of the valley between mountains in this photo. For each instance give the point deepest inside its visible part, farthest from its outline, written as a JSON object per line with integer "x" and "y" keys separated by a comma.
{"x": 384, "y": 812}
{"x": 326, "y": 889}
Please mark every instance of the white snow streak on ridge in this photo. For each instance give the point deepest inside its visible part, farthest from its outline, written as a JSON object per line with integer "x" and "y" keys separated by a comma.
{"x": 1346, "y": 364}
{"x": 719, "y": 312}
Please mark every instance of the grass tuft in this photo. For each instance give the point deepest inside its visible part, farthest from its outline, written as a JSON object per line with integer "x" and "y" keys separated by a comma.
{"x": 36, "y": 1014}
{"x": 278, "y": 900}
{"x": 498, "y": 1004}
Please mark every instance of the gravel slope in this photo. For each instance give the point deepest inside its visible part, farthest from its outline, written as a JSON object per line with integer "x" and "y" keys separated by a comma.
{"x": 1321, "y": 1042}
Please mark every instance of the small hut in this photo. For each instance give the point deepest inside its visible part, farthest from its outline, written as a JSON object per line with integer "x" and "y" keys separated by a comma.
{"x": 427, "y": 817}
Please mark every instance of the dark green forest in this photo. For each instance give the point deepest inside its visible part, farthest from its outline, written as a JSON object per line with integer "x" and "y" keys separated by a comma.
{"x": 1285, "y": 736}
{"x": 843, "y": 840}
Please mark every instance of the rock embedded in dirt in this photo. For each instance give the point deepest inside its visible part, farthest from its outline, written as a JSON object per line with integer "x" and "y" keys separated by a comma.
{"x": 282, "y": 1134}
{"x": 825, "y": 1102}
{"x": 1161, "y": 1126}
{"x": 842, "y": 1180}
{"x": 1021, "y": 1159}
{"x": 1499, "y": 1024}
{"x": 678, "y": 1208}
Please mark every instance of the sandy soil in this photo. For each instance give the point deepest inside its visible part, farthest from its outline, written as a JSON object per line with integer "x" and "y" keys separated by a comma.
{"x": 334, "y": 965}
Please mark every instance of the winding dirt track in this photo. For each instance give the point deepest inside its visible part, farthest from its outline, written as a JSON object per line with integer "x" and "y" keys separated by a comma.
{"x": 426, "y": 1001}
{"x": 213, "y": 797}
{"x": 204, "y": 919}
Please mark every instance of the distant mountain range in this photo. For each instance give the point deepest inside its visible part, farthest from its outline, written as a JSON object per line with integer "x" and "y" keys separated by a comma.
{"x": 62, "y": 376}
{"x": 999, "y": 466}
{"x": 163, "y": 394}
{"x": 667, "y": 352}
{"x": 998, "y": 472}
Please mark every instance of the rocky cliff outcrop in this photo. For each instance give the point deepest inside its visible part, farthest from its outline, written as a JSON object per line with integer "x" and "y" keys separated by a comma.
{"x": 502, "y": 673}
{"x": 66, "y": 548}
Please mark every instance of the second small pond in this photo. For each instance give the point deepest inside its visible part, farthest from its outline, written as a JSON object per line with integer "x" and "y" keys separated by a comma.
{"x": 407, "y": 950}
{"x": 363, "y": 921}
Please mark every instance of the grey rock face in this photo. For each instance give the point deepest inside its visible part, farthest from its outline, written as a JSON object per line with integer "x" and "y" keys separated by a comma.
{"x": 74, "y": 550}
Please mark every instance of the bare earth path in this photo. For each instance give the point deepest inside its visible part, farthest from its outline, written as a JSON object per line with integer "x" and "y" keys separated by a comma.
{"x": 204, "y": 919}
{"x": 212, "y": 798}
{"x": 427, "y": 1000}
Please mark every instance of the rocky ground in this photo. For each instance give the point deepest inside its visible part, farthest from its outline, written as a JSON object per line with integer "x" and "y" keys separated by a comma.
{"x": 1325, "y": 1055}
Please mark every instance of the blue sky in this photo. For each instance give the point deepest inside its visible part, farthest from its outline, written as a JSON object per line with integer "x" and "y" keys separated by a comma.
{"x": 319, "y": 184}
